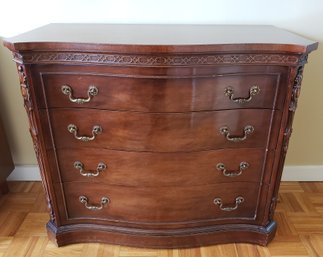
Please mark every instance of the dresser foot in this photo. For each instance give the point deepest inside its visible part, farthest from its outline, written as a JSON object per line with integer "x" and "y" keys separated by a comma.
{"x": 181, "y": 238}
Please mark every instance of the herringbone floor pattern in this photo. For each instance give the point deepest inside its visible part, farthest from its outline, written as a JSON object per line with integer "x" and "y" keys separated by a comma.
{"x": 299, "y": 215}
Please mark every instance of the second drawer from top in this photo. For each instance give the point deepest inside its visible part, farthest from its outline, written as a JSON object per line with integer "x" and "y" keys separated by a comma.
{"x": 161, "y": 132}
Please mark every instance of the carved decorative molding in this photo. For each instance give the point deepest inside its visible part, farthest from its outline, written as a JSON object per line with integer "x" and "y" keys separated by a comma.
{"x": 296, "y": 82}
{"x": 292, "y": 106}
{"x": 296, "y": 89}
{"x": 157, "y": 60}
{"x": 33, "y": 130}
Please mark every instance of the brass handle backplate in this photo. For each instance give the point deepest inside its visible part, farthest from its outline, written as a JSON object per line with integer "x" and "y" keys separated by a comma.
{"x": 243, "y": 166}
{"x": 218, "y": 201}
{"x": 254, "y": 90}
{"x": 247, "y": 131}
{"x": 104, "y": 201}
{"x": 95, "y": 131}
{"x": 80, "y": 166}
{"x": 67, "y": 90}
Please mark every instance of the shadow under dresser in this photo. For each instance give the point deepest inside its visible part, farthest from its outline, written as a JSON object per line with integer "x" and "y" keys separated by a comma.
{"x": 160, "y": 135}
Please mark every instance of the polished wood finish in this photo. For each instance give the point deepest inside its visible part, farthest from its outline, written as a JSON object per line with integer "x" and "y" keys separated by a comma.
{"x": 175, "y": 117}
{"x": 172, "y": 38}
{"x": 174, "y": 95}
{"x": 6, "y": 163}
{"x": 179, "y": 89}
{"x": 298, "y": 214}
{"x": 160, "y": 132}
{"x": 148, "y": 204}
{"x": 155, "y": 169}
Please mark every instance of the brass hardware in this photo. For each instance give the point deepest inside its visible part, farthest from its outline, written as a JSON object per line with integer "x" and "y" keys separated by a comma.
{"x": 254, "y": 90}
{"x": 104, "y": 201}
{"x": 95, "y": 131}
{"x": 243, "y": 166}
{"x": 238, "y": 201}
{"x": 67, "y": 90}
{"x": 247, "y": 131}
{"x": 79, "y": 166}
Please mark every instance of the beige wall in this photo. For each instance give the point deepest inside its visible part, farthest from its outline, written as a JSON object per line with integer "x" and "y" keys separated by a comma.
{"x": 12, "y": 111}
{"x": 306, "y": 145}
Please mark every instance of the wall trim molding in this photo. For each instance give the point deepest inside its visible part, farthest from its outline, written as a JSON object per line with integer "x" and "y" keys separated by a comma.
{"x": 303, "y": 173}
{"x": 291, "y": 173}
{"x": 25, "y": 173}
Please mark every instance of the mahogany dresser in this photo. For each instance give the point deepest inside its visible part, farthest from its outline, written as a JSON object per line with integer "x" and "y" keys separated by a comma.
{"x": 160, "y": 135}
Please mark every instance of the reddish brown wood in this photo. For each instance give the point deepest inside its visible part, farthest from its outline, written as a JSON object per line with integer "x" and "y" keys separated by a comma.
{"x": 4, "y": 189}
{"x": 161, "y": 103}
{"x": 179, "y": 94}
{"x": 148, "y": 204}
{"x": 160, "y": 132}
{"x": 155, "y": 169}
{"x": 160, "y": 38}
{"x": 222, "y": 234}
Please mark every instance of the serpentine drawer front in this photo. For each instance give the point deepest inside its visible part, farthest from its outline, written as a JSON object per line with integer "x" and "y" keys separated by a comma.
{"x": 161, "y": 169}
{"x": 197, "y": 93}
{"x": 174, "y": 136}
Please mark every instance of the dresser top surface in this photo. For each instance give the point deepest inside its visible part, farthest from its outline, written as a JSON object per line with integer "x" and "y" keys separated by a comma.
{"x": 167, "y": 37}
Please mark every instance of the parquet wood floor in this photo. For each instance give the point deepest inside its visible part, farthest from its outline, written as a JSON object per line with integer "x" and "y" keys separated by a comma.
{"x": 299, "y": 214}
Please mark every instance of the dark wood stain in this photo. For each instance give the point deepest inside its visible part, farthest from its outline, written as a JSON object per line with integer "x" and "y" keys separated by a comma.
{"x": 161, "y": 103}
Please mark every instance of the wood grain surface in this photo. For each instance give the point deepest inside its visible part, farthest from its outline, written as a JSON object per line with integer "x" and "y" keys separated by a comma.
{"x": 299, "y": 214}
{"x": 161, "y": 169}
{"x": 161, "y": 132}
{"x": 178, "y": 110}
{"x": 146, "y": 205}
{"x": 162, "y": 94}
{"x": 171, "y": 37}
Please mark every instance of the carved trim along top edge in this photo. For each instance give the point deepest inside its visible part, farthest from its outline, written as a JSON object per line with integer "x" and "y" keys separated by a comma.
{"x": 157, "y": 60}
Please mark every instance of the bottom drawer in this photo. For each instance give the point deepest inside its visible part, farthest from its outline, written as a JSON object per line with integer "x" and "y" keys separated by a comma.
{"x": 159, "y": 205}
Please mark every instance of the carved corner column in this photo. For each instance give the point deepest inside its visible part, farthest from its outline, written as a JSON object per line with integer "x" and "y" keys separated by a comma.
{"x": 296, "y": 81}
{"x": 34, "y": 132}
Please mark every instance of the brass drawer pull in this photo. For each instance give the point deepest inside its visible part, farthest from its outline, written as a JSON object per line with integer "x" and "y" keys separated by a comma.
{"x": 104, "y": 201}
{"x": 238, "y": 201}
{"x": 92, "y": 91}
{"x": 95, "y": 131}
{"x": 254, "y": 90}
{"x": 243, "y": 166}
{"x": 79, "y": 166}
{"x": 247, "y": 131}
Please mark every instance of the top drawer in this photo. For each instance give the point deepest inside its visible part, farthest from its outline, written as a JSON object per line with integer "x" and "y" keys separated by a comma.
{"x": 160, "y": 94}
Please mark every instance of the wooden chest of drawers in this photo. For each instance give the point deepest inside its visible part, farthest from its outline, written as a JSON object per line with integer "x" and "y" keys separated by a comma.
{"x": 160, "y": 136}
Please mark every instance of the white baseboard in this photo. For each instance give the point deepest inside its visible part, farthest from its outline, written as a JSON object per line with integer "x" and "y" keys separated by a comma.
{"x": 25, "y": 173}
{"x": 291, "y": 173}
{"x": 303, "y": 173}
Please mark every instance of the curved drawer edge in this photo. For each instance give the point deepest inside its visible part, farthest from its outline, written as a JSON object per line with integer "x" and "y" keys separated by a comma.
{"x": 180, "y": 238}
